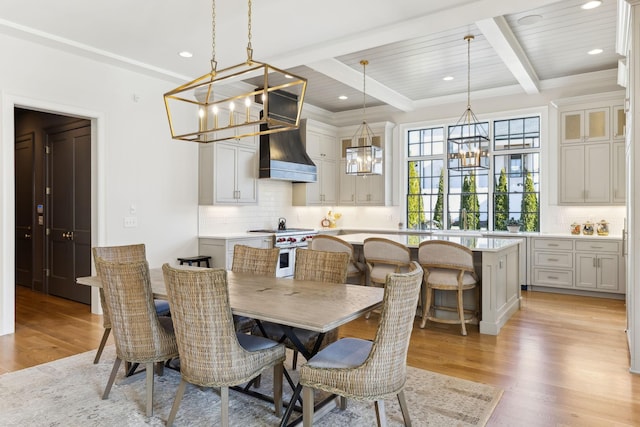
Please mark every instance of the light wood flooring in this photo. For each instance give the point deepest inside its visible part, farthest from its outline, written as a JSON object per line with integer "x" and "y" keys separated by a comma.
{"x": 561, "y": 361}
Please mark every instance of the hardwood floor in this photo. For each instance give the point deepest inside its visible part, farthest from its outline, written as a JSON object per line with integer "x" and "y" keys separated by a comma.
{"x": 561, "y": 361}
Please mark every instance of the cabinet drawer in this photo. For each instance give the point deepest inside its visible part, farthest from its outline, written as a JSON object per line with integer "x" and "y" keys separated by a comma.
{"x": 546, "y": 277}
{"x": 554, "y": 244}
{"x": 595, "y": 246}
{"x": 553, "y": 259}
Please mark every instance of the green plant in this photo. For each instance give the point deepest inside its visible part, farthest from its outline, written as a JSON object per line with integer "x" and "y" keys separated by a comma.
{"x": 513, "y": 221}
{"x": 415, "y": 210}
{"x": 501, "y": 202}
{"x": 529, "y": 205}
{"x": 439, "y": 209}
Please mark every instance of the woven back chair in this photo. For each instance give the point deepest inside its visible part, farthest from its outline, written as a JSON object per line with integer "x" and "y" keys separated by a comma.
{"x": 140, "y": 335}
{"x": 447, "y": 266}
{"x": 364, "y": 370}
{"x": 247, "y": 259}
{"x": 321, "y": 266}
{"x": 325, "y": 242}
{"x": 126, "y": 253}
{"x": 212, "y": 353}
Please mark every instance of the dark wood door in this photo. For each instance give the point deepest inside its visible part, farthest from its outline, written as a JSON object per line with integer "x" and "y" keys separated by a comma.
{"x": 25, "y": 199}
{"x": 70, "y": 211}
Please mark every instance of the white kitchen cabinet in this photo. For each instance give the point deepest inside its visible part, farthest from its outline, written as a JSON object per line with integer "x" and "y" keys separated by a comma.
{"x": 619, "y": 120}
{"x": 585, "y": 173}
{"x": 618, "y": 171}
{"x": 369, "y": 190}
{"x": 578, "y": 264}
{"x": 597, "y": 265}
{"x": 220, "y": 249}
{"x": 320, "y": 143}
{"x": 589, "y": 125}
{"x": 228, "y": 173}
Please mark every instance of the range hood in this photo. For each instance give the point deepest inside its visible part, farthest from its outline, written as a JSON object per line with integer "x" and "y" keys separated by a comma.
{"x": 283, "y": 156}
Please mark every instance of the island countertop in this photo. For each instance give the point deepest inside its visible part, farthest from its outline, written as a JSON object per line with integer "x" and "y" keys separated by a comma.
{"x": 479, "y": 244}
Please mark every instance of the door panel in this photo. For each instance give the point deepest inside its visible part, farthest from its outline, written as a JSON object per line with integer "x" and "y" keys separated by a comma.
{"x": 70, "y": 212}
{"x": 24, "y": 187}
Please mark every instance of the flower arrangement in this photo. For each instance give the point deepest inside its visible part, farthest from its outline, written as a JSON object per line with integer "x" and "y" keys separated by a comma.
{"x": 332, "y": 217}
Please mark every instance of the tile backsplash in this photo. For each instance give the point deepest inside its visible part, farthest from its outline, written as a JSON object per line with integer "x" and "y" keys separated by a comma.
{"x": 275, "y": 202}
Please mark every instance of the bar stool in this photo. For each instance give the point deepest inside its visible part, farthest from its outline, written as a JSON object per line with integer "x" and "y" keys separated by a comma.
{"x": 196, "y": 259}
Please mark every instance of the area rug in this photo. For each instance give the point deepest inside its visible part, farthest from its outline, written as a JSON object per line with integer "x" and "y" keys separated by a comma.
{"x": 68, "y": 392}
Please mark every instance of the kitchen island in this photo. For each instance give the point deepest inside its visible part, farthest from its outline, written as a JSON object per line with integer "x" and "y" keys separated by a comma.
{"x": 497, "y": 264}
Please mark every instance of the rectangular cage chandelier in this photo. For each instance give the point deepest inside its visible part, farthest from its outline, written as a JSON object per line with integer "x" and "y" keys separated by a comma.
{"x": 468, "y": 140}
{"x": 248, "y": 99}
{"x": 204, "y": 110}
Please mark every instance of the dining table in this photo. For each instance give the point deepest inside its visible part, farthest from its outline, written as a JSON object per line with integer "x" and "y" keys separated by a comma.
{"x": 304, "y": 304}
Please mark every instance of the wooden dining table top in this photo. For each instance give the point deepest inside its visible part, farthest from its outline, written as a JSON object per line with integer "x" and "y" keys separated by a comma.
{"x": 312, "y": 305}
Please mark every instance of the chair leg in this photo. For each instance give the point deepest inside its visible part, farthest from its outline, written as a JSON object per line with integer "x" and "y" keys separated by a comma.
{"x": 463, "y": 326}
{"x": 112, "y": 377}
{"x": 278, "y": 371}
{"x": 404, "y": 408}
{"x": 103, "y": 342}
{"x": 176, "y": 402}
{"x": 427, "y": 307}
{"x": 149, "y": 374}
{"x": 381, "y": 417}
{"x": 342, "y": 402}
{"x": 224, "y": 406}
{"x": 307, "y": 406}
{"x": 295, "y": 360}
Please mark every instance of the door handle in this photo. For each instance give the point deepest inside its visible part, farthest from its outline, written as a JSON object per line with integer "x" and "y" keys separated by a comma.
{"x": 27, "y": 236}
{"x": 68, "y": 235}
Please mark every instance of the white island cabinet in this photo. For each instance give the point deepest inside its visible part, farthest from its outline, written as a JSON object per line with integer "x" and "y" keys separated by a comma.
{"x": 497, "y": 263}
{"x": 220, "y": 247}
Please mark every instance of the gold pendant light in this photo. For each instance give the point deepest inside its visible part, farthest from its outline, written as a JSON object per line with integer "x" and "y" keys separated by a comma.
{"x": 218, "y": 106}
{"x": 364, "y": 157}
{"x": 468, "y": 141}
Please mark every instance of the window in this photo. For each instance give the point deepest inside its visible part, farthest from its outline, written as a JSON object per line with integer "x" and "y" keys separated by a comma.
{"x": 425, "y": 192}
{"x": 479, "y": 199}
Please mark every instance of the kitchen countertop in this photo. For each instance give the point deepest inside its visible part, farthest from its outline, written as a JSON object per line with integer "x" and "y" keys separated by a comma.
{"x": 478, "y": 244}
{"x": 406, "y": 231}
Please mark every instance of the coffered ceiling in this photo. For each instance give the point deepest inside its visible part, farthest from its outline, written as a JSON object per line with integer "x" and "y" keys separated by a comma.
{"x": 520, "y": 46}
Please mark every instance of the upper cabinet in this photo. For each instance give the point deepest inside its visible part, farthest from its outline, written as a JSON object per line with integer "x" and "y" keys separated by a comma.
{"x": 591, "y": 166}
{"x": 228, "y": 172}
{"x": 321, "y": 144}
{"x": 367, "y": 190}
{"x": 590, "y": 125}
{"x": 619, "y": 120}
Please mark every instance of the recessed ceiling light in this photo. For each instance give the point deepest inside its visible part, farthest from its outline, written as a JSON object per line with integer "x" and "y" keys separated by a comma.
{"x": 595, "y": 51}
{"x": 447, "y": 78}
{"x": 529, "y": 19}
{"x": 591, "y": 4}
{"x": 185, "y": 54}
{"x": 343, "y": 97}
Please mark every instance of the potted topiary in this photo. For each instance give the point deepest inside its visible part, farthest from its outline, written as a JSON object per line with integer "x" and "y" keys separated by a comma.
{"x": 513, "y": 225}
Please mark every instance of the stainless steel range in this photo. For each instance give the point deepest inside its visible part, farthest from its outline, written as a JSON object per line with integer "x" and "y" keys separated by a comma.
{"x": 287, "y": 241}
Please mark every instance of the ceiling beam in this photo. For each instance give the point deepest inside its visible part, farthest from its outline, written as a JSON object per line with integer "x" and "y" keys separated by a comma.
{"x": 504, "y": 42}
{"x": 344, "y": 74}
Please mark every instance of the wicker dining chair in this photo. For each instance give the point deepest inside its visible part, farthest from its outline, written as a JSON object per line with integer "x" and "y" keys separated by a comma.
{"x": 125, "y": 253}
{"x": 325, "y": 242}
{"x": 212, "y": 353}
{"x": 247, "y": 259}
{"x": 448, "y": 266}
{"x": 384, "y": 256}
{"x": 363, "y": 370}
{"x": 322, "y": 266}
{"x": 140, "y": 335}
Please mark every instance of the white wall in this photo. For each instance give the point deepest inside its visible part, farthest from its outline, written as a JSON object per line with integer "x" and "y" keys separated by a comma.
{"x": 137, "y": 166}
